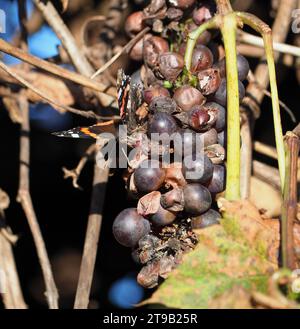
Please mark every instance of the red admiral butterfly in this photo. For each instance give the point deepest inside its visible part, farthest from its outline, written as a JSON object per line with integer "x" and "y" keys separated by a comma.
{"x": 123, "y": 88}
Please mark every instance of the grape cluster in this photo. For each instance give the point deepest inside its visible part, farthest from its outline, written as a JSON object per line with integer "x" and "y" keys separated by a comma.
{"x": 176, "y": 198}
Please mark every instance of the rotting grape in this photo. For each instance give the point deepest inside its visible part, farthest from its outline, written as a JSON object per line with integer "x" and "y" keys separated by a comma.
{"x": 186, "y": 97}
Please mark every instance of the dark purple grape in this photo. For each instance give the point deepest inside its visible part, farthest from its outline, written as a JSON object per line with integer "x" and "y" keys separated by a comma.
{"x": 162, "y": 123}
{"x": 163, "y": 104}
{"x": 243, "y": 67}
{"x": 214, "y": 48}
{"x": 149, "y": 176}
{"x": 220, "y": 95}
{"x": 222, "y": 138}
{"x": 197, "y": 199}
{"x": 134, "y": 23}
{"x": 217, "y": 183}
{"x": 170, "y": 65}
{"x": 202, "y": 59}
{"x": 187, "y": 143}
{"x": 129, "y": 227}
{"x": 209, "y": 218}
{"x": 182, "y": 4}
{"x": 154, "y": 91}
{"x": 242, "y": 64}
{"x": 162, "y": 217}
{"x": 210, "y": 137}
{"x": 197, "y": 168}
{"x": 186, "y": 97}
{"x": 153, "y": 48}
{"x": 209, "y": 81}
{"x": 220, "y": 114}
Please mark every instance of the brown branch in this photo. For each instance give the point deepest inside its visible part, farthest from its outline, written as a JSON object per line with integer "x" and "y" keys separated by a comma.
{"x": 69, "y": 92}
{"x": 289, "y": 206}
{"x": 56, "y": 70}
{"x": 91, "y": 239}
{"x": 265, "y": 149}
{"x": 12, "y": 296}
{"x": 68, "y": 41}
{"x": 268, "y": 174}
{"x": 99, "y": 185}
{"x": 246, "y": 155}
{"x": 100, "y": 176}
{"x": 126, "y": 48}
{"x": 24, "y": 198}
{"x": 75, "y": 173}
{"x": 63, "y": 33}
{"x": 86, "y": 114}
{"x": 251, "y": 79}
{"x": 280, "y": 30}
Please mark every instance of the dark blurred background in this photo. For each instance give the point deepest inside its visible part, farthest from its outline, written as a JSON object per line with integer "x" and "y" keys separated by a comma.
{"x": 62, "y": 210}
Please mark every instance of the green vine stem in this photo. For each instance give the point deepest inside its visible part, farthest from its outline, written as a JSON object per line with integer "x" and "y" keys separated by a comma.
{"x": 228, "y": 29}
{"x": 228, "y": 25}
{"x": 224, "y": 6}
{"x": 266, "y": 33}
{"x": 192, "y": 39}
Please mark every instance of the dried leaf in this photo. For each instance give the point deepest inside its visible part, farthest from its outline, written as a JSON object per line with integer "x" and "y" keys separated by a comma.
{"x": 236, "y": 256}
{"x": 235, "y": 298}
{"x": 149, "y": 203}
{"x": 265, "y": 197}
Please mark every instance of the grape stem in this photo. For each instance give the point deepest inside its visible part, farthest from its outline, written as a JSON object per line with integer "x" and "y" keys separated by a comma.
{"x": 192, "y": 39}
{"x": 266, "y": 33}
{"x": 228, "y": 29}
{"x": 228, "y": 25}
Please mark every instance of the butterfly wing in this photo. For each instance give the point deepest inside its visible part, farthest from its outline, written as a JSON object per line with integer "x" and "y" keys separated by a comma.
{"x": 123, "y": 88}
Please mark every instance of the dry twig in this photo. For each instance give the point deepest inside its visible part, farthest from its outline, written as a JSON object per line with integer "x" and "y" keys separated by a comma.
{"x": 76, "y": 55}
{"x": 280, "y": 30}
{"x": 92, "y": 238}
{"x": 86, "y": 114}
{"x": 12, "y": 297}
{"x": 277, "y": 46}
{"x": 266, "y": 173}
{"x": 75, "y": 173}
{"x": 289, "y": 206}
{"x": 25, "y": 199}
{"x": 57, "y": 70}
{"x": 126, "y": 48}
